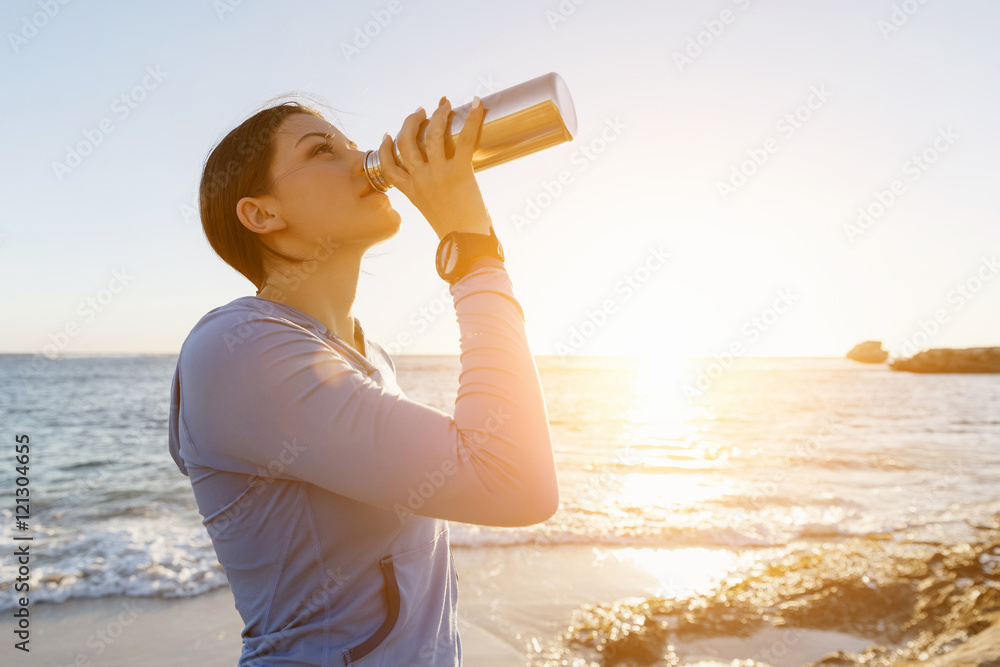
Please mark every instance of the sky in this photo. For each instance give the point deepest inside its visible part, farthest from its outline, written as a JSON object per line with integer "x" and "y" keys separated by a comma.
{"x": 759, "y": 178}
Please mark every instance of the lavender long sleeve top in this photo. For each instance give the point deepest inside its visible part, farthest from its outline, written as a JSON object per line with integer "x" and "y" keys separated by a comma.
{"x": 327, "y": 492}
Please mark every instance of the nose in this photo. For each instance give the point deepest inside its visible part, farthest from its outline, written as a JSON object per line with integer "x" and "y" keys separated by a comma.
{"x": 358, "y": 156}
{"x": 358, "y": 165}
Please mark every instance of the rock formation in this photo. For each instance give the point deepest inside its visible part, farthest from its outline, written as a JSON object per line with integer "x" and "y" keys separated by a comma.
{"x": 947, "y": 360}
{"x": 869, "y": 352}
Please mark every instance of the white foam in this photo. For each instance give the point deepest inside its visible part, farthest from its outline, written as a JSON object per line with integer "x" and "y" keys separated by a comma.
{"x": 127, "y": 556}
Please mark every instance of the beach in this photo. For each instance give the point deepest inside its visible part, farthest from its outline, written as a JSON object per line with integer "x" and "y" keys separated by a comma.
{"x": 513, "y": 604}
{"x": 807, "y": 511}
{"x": 504, "y": 604}
{"x": 751, "y": 248}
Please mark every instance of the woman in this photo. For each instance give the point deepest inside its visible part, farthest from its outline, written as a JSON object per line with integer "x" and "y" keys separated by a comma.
{"x": 325, "y": 490}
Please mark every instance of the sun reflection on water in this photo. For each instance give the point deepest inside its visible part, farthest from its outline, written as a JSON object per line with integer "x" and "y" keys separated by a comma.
{"x": 660, "y": 491}
{"x": 676, "y": 573}
{"x": 660, "y": 411}
{"x": 667, "y": 439}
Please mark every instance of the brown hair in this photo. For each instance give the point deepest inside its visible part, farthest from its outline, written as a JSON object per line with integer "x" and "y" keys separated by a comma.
{"x": 240, "y": 166}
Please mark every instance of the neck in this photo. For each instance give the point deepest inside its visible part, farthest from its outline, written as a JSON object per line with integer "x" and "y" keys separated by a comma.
{"x": 323, "y": 289}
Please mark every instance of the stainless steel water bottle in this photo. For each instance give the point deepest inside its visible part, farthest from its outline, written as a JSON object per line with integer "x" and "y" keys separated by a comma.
{"x": 519, "y": 120}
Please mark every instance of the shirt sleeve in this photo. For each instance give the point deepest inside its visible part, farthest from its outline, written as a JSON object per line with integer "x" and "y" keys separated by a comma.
{"x": 284, "y": 402}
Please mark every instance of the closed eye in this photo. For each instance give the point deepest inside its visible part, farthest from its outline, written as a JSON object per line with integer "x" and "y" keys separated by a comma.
{"x": 325, "y": 146}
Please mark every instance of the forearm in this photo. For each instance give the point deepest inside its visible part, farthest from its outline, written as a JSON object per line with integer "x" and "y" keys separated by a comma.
{"x": 500, "y": 408}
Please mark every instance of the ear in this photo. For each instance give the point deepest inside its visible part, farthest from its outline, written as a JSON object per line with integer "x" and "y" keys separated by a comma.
{"x": 259, "y": 214}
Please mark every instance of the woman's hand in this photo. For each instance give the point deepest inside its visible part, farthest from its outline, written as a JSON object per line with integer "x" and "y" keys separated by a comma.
{"x": 443, "y": 189}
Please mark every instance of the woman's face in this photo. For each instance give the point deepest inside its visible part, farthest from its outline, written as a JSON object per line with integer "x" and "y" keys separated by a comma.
{"x": 321, "y": 190}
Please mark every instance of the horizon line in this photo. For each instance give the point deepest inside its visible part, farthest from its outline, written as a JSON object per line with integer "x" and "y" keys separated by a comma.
{"x": 84, "y": 355}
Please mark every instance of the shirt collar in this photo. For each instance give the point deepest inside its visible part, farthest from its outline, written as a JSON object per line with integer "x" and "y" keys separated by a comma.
{"x": 300, "y": 317}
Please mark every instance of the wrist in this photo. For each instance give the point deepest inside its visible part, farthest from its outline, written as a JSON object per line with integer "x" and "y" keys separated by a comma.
{"x": 469, "y": 224}
{"x": 484, "y": 262}
{"x": 485, "y": 231}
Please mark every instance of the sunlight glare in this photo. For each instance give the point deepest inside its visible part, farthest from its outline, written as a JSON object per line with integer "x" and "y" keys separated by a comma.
{"x": 679, "y": 573}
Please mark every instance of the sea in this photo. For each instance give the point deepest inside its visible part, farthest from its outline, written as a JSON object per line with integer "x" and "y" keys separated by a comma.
{"x": 802, "y": 494}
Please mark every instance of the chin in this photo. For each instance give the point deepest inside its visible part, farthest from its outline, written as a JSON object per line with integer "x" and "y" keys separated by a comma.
{"x": 389, "y": 225}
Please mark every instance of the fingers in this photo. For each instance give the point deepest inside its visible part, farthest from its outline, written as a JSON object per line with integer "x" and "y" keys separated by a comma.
{"x": 437, "y": 127}
{"x": 436, "y": 141}
{"x": 406, "y": 140}
{"x": 387, "y": 162}
{"x": 466, "y": 143}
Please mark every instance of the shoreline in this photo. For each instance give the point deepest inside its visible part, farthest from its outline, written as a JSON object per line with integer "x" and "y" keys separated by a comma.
{"x": 508, "y": 596}
{"x": 513, "y": 604}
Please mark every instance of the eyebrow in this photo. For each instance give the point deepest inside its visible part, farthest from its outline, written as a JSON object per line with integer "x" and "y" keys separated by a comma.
{"x": 325, "y": 135}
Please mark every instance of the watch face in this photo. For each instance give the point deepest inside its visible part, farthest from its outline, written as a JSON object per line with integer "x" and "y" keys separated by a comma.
{"x": 450, "y": 258}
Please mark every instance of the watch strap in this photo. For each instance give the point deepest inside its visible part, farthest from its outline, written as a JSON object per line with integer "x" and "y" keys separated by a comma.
{"x": 471, "y": 247}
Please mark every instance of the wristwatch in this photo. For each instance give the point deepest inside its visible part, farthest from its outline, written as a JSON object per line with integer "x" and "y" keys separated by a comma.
{"x": 458, "y": 250}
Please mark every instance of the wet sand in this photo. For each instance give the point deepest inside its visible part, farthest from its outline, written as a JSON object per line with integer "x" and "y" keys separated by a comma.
{"x": 198, "y": 631}
{"x": 510, "y": 599}
{"x": 513, "y": 603}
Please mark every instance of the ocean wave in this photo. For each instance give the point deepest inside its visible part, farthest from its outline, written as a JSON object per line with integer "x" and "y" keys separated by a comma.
{"x": 172, "y": 556}
{"x": 746, "y": 532}
{"x": 126, "y": 557}
{"x": 142, "y": 556}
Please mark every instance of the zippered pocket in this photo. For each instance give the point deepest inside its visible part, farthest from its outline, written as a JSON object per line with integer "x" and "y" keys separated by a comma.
{"x": 406, "y": 589}
{"x": 392, "y": 599}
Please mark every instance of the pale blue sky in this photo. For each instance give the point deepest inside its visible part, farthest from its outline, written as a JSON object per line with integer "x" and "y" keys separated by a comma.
{"x": 774, "y": 247}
